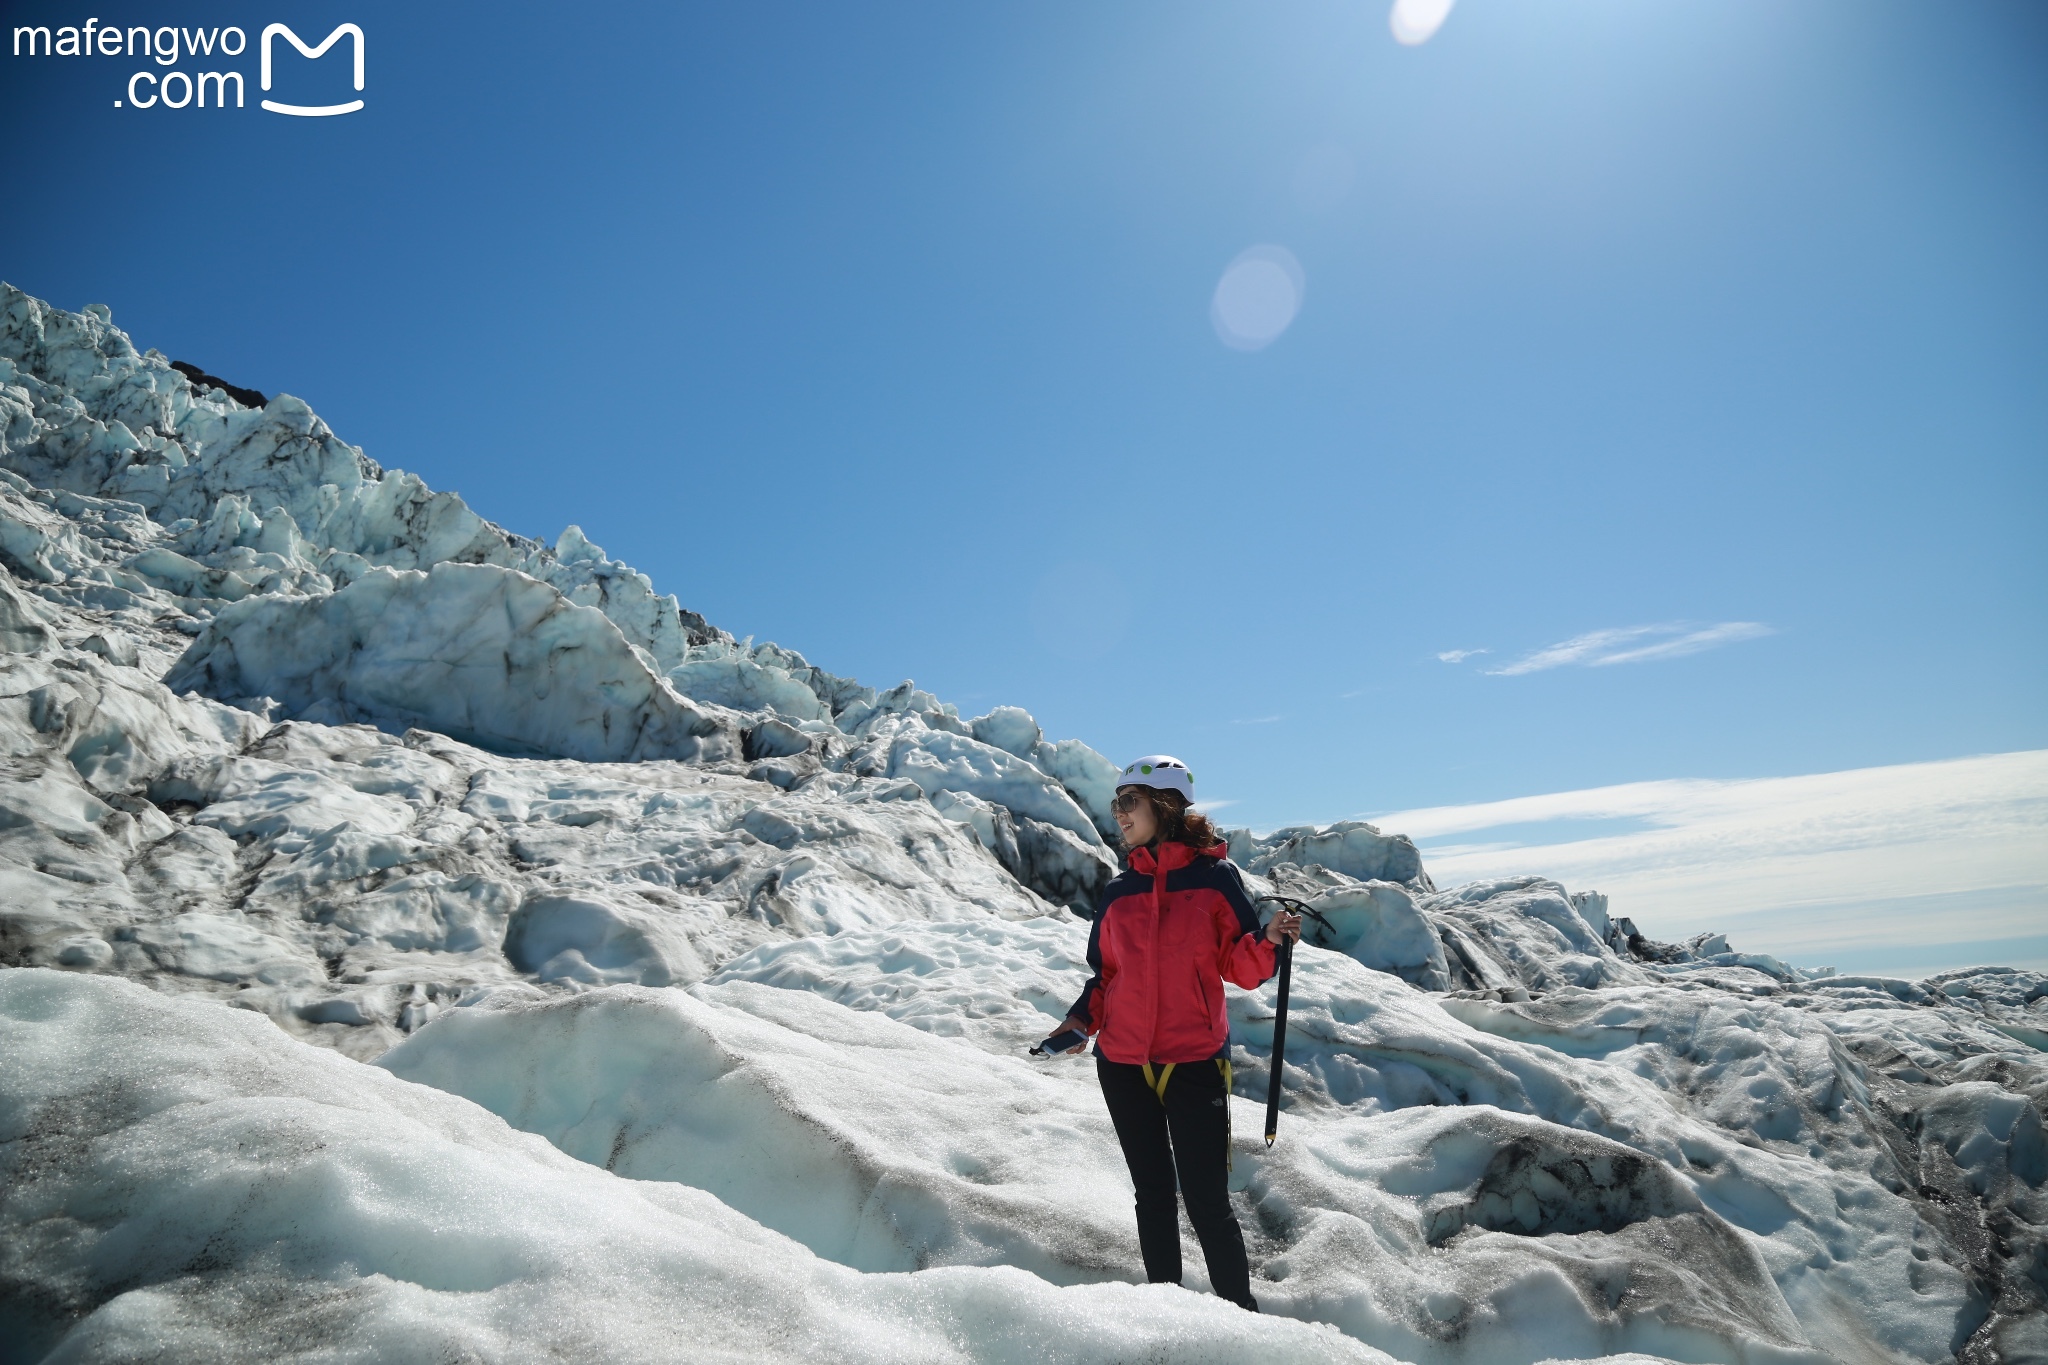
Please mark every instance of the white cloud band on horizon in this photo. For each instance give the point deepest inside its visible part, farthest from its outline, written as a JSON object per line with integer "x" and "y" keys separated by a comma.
{"x": 1912, "y": 854}
{"x": 1631, "y": 645}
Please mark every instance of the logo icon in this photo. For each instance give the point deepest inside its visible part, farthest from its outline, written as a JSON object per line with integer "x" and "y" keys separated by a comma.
{"x": 314, "y": 54}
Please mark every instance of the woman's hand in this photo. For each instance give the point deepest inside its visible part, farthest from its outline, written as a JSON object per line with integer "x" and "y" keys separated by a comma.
{"x": 1284, "y": 927}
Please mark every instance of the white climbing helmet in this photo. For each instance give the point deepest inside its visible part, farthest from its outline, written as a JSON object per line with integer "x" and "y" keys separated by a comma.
{"x": 1163, "y": 771}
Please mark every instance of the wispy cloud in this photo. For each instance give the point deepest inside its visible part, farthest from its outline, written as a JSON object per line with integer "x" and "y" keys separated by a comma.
{"x": 1208, "y": 807}
{"x": 1458, "y": 656}
{"x": 1631, "y": 645}
{"x": 1259, "y": 720}
{"x": 1805, "y": 867}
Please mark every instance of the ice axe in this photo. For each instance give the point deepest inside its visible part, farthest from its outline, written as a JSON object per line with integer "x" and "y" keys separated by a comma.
{"x": 1284, "y": 951}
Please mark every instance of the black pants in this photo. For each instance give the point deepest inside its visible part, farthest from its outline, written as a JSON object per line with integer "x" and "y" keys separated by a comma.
{"x": 1188, "y": 1135}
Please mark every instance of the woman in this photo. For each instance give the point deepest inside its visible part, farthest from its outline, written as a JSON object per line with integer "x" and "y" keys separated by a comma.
{"x": 1169, "y": 930}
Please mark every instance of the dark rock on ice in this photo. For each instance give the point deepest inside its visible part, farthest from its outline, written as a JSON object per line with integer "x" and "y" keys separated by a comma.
{"x": 248, "y": 398}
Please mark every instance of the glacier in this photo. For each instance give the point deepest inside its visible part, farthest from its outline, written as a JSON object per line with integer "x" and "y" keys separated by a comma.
{"x": 420, "y": 940}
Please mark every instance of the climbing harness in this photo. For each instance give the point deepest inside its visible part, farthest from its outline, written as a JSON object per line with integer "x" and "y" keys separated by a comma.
{"x": 1158, "y": 1083}
{"x": 1159, "y": 1088}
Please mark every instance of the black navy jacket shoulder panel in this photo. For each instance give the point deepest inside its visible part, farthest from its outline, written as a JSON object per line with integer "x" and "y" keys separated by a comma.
{"x": 1220, "y": 875}
{"x": 1201, "y": 874}
{"x": 1239, "y": 898}
{"x": 1125, "y": 883}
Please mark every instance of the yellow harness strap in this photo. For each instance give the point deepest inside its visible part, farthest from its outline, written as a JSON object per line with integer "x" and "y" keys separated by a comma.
{"x": 1158, "y": 1086}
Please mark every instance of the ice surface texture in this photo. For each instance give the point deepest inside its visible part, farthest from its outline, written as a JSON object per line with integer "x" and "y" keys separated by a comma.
{"x": 752, "y": 952}
{"x": 480, "y": 653}
{"x": 179, "y": 1181}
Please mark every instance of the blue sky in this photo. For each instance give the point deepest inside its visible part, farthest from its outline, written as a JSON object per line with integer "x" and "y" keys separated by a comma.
{"x": 1688, "y": 358}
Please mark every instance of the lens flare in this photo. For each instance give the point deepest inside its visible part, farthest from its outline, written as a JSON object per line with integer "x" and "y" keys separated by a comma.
{"x": 1257, "y": 298}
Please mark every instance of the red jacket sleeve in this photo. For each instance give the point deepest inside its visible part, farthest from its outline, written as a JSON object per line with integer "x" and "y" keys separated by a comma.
{"x": 1246, "y": 958}
{"x": 1247, "y": 961}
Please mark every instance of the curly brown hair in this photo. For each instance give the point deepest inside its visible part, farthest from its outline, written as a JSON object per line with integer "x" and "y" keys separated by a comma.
{"x": 1179, "y": 822}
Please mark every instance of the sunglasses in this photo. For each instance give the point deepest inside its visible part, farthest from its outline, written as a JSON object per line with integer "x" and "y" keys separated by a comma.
{"x": 1129, "y": 799}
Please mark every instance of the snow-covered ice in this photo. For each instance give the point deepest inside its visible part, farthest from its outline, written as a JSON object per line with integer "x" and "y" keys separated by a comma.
{"x": 697, "y": 981}
{"x": 482, "y": 653}
{"x": 185, "y": 1182}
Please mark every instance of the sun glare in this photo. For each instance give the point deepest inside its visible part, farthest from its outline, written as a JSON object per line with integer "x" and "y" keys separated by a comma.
{"x": 1415, "y": 21}
{"x": 1257, "y": 298}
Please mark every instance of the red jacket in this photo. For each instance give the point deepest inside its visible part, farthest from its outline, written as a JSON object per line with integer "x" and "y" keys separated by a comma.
{"x": 1171, "y": 928}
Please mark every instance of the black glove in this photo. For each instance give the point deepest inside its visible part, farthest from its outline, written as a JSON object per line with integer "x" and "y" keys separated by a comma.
{"x": 1060, "y": 1042}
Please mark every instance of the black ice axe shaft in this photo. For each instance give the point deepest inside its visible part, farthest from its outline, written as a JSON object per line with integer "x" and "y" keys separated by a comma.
{"x": 1285, "y": 952}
